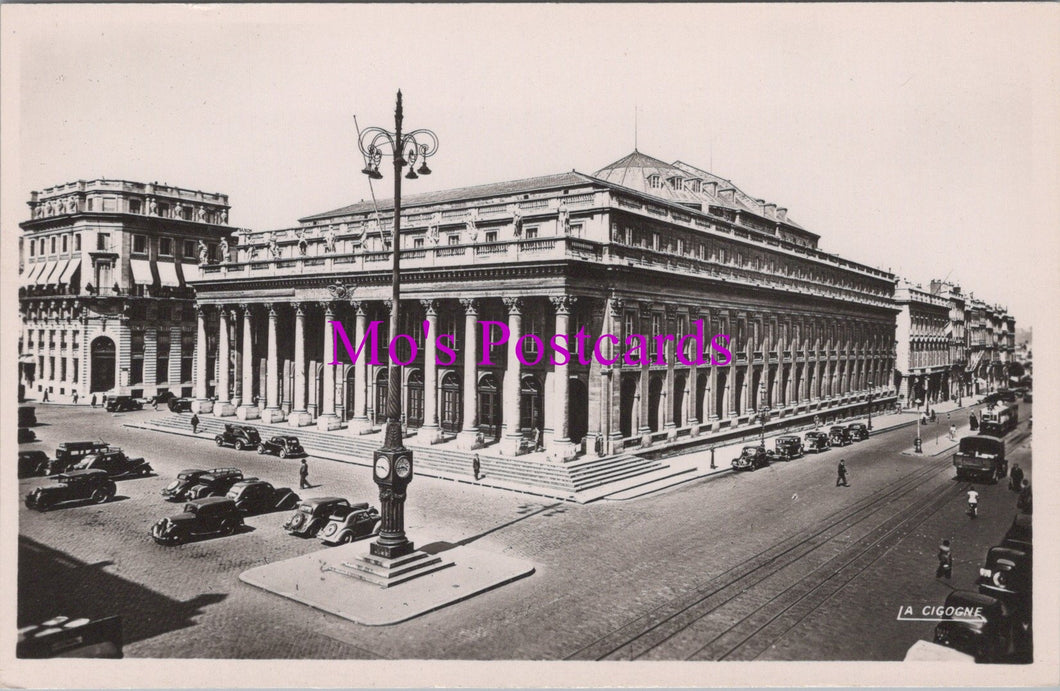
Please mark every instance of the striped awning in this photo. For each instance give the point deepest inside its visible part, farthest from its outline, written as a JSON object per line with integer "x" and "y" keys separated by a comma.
{"x": 167, "y": 274}
{"x": 29, "y": 276}
{"x": 141, "y": 271}
{"x": 58, "y": 271}
{"x": 45, "y": 274}
{"x": 69, "y": 271}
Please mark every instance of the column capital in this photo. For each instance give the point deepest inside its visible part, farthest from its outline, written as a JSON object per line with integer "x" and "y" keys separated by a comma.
{"x": 470, "y": 305}
{"x": 430, "y": 306}
{"x": 329, "y": 308}
{"x": 671, "y": 312}
{"x": 514, "y": 305}
{"x": 359, "y": 306}
{"x": 245, "y": 308}
{"x": 270, "y": 307}
{"x": 387, "y": 304}
{"x": 617, "y": 305}
{"x": 563, "y": 304}
{"x": 200, "y": 311}
{"x": 233, "y": 313}
{"x": 299, "y": 308}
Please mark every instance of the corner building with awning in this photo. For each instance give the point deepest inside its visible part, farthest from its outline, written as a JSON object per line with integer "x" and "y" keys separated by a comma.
{"x": 103, "y": 287}
{"x": 639, "y": 246}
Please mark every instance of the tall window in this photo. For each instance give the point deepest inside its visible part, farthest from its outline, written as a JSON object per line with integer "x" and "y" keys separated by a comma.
{"x": 103, "y": 241}
{"x": 139, "y": 244}
{"x": 189, "y": 248}
{"x": 530, "y": 233}
{"x": 187, "y": 355}
{"x": 134, "y": 206}
{"x": 77, "y": 242}
{"x": 136, "y": 362}
{"x": 165, "y": 246}
{"x": 53, "y": 245}
{"x": 162, "y": 358}
{"x": 66, "y": 242}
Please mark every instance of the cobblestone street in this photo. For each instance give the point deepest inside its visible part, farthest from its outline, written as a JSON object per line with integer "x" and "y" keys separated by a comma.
{"x": 774, "y": 564}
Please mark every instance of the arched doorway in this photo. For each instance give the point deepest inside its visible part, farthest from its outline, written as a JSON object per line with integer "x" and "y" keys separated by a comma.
{"x": 578, "y": 410}
{"x": 382, "y": 379}
{"x": 679, "y": 399}
{"x": 103, "y": 358}
{"x": 489, "y": 406}
{"x": 702, "y": 381}
{"x": 628, "y": 397}
{"x": 532, "y": 404}
{"x": 350, "y": 393}
{"x": 451, "y": 408}
{"x": 738, "y": 393}
{"x": 655, "y": 387}
{"x": 414, "y": 406}
{"x": 719, "y": 394}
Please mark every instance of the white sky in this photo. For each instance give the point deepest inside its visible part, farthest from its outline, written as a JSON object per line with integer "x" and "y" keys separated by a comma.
{"x": 917, "y": 138}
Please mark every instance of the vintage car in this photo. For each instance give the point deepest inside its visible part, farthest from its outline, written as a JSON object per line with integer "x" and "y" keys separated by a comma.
{"x": 216, "y": 483}
{"x": 816, "y": 441}
{"x": 1006, "y": 575}
{"x": 201, "y": 518}
{"x": 195, "y": 484}
{"x": 27, "y": 416}
{"x": 312, "y": 515}
{"x": 65, "y": 637}
{"x": 839, "y": 436}
{"x": 76, "y": 485}
{"x": 753, "y": 458}
{"x": 283, "y": 446}
{"x": 239, "y": 436}
{"x": 981, "y": 457}
{"x": 257, "y": 496}
{"x": 121, "y": 404}
{"x": 32, "y": 463}
{"x": 349, "y": 523}
{"x": 179, "y": 405}
{"x": 26, "y": 435}
{"x": 1019, "y": 534}
{"x": 116, "y": 463}
{"x": 977, "y": 624}
{"x": 858, "y": 431}
{"x": 68, "y": 453}
{"x": 788, "y": 447}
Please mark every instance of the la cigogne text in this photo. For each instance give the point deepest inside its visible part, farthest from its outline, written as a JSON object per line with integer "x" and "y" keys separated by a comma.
{"x": 530, "y": 349}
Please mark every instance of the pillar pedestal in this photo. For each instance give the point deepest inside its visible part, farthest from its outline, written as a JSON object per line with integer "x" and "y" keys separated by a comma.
{"x": 271, "y": 415}
{"x": 202, "y": 405}
{"x": 467, "y": 440}
{"x": 432, "y": 434}
{"x": 565, "y": 450}
{"x": 224, "y": 409}
{"x": 248, "y": 412}
{"x": 299, "y": 418}
{"x": 326, "y": 423}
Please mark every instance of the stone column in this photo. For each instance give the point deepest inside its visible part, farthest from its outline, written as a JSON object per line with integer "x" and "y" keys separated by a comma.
{"x": 299, "y": 416}
{"x": 430, "y": 431}
{"x": 272, "y": 413}
{"x": 467, "y": 437}
{"x": 360, "y": 421}
{"x": 616, "y": 311}
{"x": 511, "y": 398}
{"x": 328, "y": 420}
{"x": 201, "y": 404}
{"x": 669, "y": 394}
{"x": 223, "y": 407}
{"x": 557, "y": 441}
{"x": 247, "y": 410}
{"x": 644, "y": 381}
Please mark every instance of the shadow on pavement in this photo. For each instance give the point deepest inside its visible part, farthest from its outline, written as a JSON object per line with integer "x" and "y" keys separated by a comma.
{"x": 51, "y": 583}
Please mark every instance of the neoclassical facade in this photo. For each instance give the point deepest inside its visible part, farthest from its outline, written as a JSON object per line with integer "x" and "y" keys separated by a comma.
{"x": 103, "y": 296}
{"x": 924, "y": 361}
{"x": 639, "y": 247}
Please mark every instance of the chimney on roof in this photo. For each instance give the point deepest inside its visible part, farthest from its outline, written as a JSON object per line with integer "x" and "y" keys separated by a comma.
{"x": 782, "y": 213}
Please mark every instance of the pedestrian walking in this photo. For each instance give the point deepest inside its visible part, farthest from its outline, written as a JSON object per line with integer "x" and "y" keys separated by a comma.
{"x": 945, "y": 569}
{"x": 75, "y": 398}
{"x": 45, "y": 398}
{"x": 194, "y": 423}
{"x": 973, "y": 422}
{"x": 303, "y": 475}
{"x": 104, "y": 400}
{"x": 476, "y": 467}
{"x": 1015, "y": 482}
{"x": 841, "y": 474}
{"x": 154, "y": 403}
{"x": 953, "y": 432}
{"x": 973, "y": 503}
{"x": 93, "y": 401}
{"x": 537, "y": 439}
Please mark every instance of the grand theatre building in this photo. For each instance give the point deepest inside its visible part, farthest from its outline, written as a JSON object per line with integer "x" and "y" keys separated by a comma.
{"x": 640, "y": 246}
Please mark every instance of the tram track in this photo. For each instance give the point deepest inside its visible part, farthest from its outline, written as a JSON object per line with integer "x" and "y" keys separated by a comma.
{"x": 652, "y": 630}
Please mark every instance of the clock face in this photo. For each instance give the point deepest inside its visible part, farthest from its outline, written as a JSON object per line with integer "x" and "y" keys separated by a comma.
{"x": 382, "y": 467}
{"x": 403, "y": 467}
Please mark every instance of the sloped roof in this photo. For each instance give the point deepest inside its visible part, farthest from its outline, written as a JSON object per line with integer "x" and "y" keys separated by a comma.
{"x": 493, "y": 189}
{"x": 633, "y": 171}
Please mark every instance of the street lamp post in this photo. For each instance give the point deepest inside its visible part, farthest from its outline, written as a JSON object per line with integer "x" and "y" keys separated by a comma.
{"x": 392, "y": 467}
{"x": 872, "y": 394}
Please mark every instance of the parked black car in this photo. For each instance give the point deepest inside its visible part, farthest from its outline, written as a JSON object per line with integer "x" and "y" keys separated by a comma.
{"x": 26, "y": 435}
{"x": 349, "y": 523}
{"x": 788, "y": 447}
{"x": 985, "y": 628}
{"x": 816, "y": 441}
{"x": 121, "y": 404}
{"x": 258, "y": 496}
{"x": 65, "y": 637}
{"x": 839, "y": 436}
{"x": 753, "y": 458}
{"x": 858, "y": 431}
{"x": 181, "y": 488}
{"x": 27, "y": 416}
{"x": 176, "y": 404}
{"x": 283, "y": 446}
{"x": 239, "y": 436}
{"x": 76, "y": 485}
{"x": 313, "y": 514}
{"x": 116, "y": 464}
{"x": 68, "y": 453}
{"x": 32, "y": 463}
{"x": 200, "y": 518}
{"x": 215, "y": 483}
{"x": 1019, "y": 534}
{"x": 1006, "y": 575}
